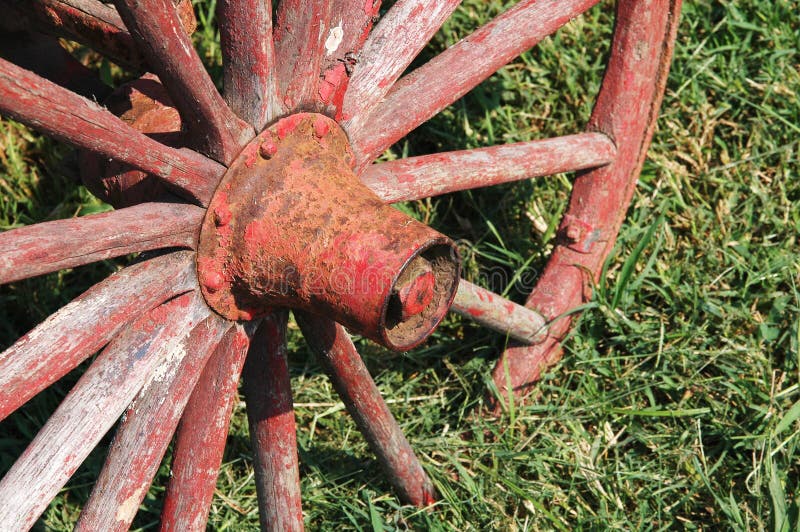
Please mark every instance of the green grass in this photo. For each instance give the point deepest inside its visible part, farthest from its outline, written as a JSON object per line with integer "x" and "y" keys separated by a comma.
{"x": 677, "y": 404}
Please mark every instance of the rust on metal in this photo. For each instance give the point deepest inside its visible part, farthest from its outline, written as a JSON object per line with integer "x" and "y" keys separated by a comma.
{"x": 578, "y": 235}
{"x": 290, "y": 225}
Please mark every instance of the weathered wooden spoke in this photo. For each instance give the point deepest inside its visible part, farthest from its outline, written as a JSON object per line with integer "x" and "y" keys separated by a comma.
{"x": 340, "y": 360}
{"x": 302, "y": 30}
{"x": 89, "y": 22}
{"x": 31, "y": 250}
{"x": 148, "y": 425}
{"x": 268, "y": 394}
{"x": 89, "y": 411}
{"x": 498, "y": 313}
{"x": 248, "y": 59}
{"x": 43, "y": 55}
{"x": 427, "y": 90}
{"x": 352, "y": 24}
{"x": 394, "y": 43}
{"x": 202, "y": 434}
{"x": 156, "y": 28}
{"x": 64, "y": 115}
{"x": 93, "y": 23}
{"x": 431, "y": 175}
{"x": 63, "y": 341}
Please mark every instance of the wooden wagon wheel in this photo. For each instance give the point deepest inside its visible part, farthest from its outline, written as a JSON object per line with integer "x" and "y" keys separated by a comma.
{"x": 264, "y": 198}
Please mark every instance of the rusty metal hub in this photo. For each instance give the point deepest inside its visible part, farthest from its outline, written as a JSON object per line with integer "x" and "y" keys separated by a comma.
{"x": 291, "y": 225}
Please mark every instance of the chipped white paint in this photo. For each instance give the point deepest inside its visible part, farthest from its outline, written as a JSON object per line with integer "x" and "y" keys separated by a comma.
{"x": 142, "y": 439}
{"x": 391, "y": 46}
{"x": 335, "y": 37}
{"x": 127, "y": 510}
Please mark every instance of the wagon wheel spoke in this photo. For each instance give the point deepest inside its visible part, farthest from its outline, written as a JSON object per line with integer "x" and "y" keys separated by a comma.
{"x": 351, "y": 26}
{"x": 88, "y": 412}
{"x": 340, "y": 360}
{"x": 63, "y": 341}
{"x": 431, "y": 175}
{"x": 66, "y": 116}
{"x": 498, "y": 313}
{"x": 268, "y": 395}
{"x": 427, "y": 90}
{"x": 394, "y": 43}
{"x": 301, "y": 32}
{"x": 148, "y": 425}
{"x": 202, "y": 434}
{"x": 32, "y": 250}
{"x": 214, "y": 129}
{"x": 248, "y": 60}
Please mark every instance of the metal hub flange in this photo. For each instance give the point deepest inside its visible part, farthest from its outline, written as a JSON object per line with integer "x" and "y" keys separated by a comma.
{"x": 290, "y": 225}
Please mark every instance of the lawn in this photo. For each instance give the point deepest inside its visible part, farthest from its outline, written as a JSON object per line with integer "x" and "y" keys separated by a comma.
{"x": 677, "y": 403}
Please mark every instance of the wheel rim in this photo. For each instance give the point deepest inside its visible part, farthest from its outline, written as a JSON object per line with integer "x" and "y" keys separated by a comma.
{"x": 170, "y": 347}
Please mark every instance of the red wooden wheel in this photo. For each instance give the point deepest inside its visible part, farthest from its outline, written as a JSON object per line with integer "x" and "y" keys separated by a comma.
{"x": 268, "y": 192}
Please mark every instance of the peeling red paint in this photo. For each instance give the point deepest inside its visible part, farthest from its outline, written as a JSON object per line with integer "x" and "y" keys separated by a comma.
{"x": 417, "y": 11}
{"x": 372, "y": 7}
{"x": 331, "y": 80}
{"x": 222, "y": 213}
{"x": 251, "y": 154}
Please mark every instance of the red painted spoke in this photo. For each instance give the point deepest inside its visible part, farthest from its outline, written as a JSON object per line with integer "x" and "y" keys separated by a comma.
{"x": 65, "y": 339}
{"x": 339, "y": 358}
{"x": 268, "y": 394}
{"x": 248, "y": 59}
{"x": 394, "y": 43}
{"x": 302, "y": 29}
{"x": 498, "y": 313}
{"x": 424, "y": 92}
{"x": 625, "y": 110}
{"x": 431, "y": 175}
{"x": 52, "y": 246}
{"x": 43, "y": 105}
{"x": 201, "y": 437}
{"x": 88, "y": 412}
{"x": 214, "y": 129}
{"x": 148, "y": 425}
{"x": 354, "y": 18}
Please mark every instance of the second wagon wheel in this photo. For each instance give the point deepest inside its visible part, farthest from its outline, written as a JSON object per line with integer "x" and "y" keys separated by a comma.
{"x": 264, "y": 198}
